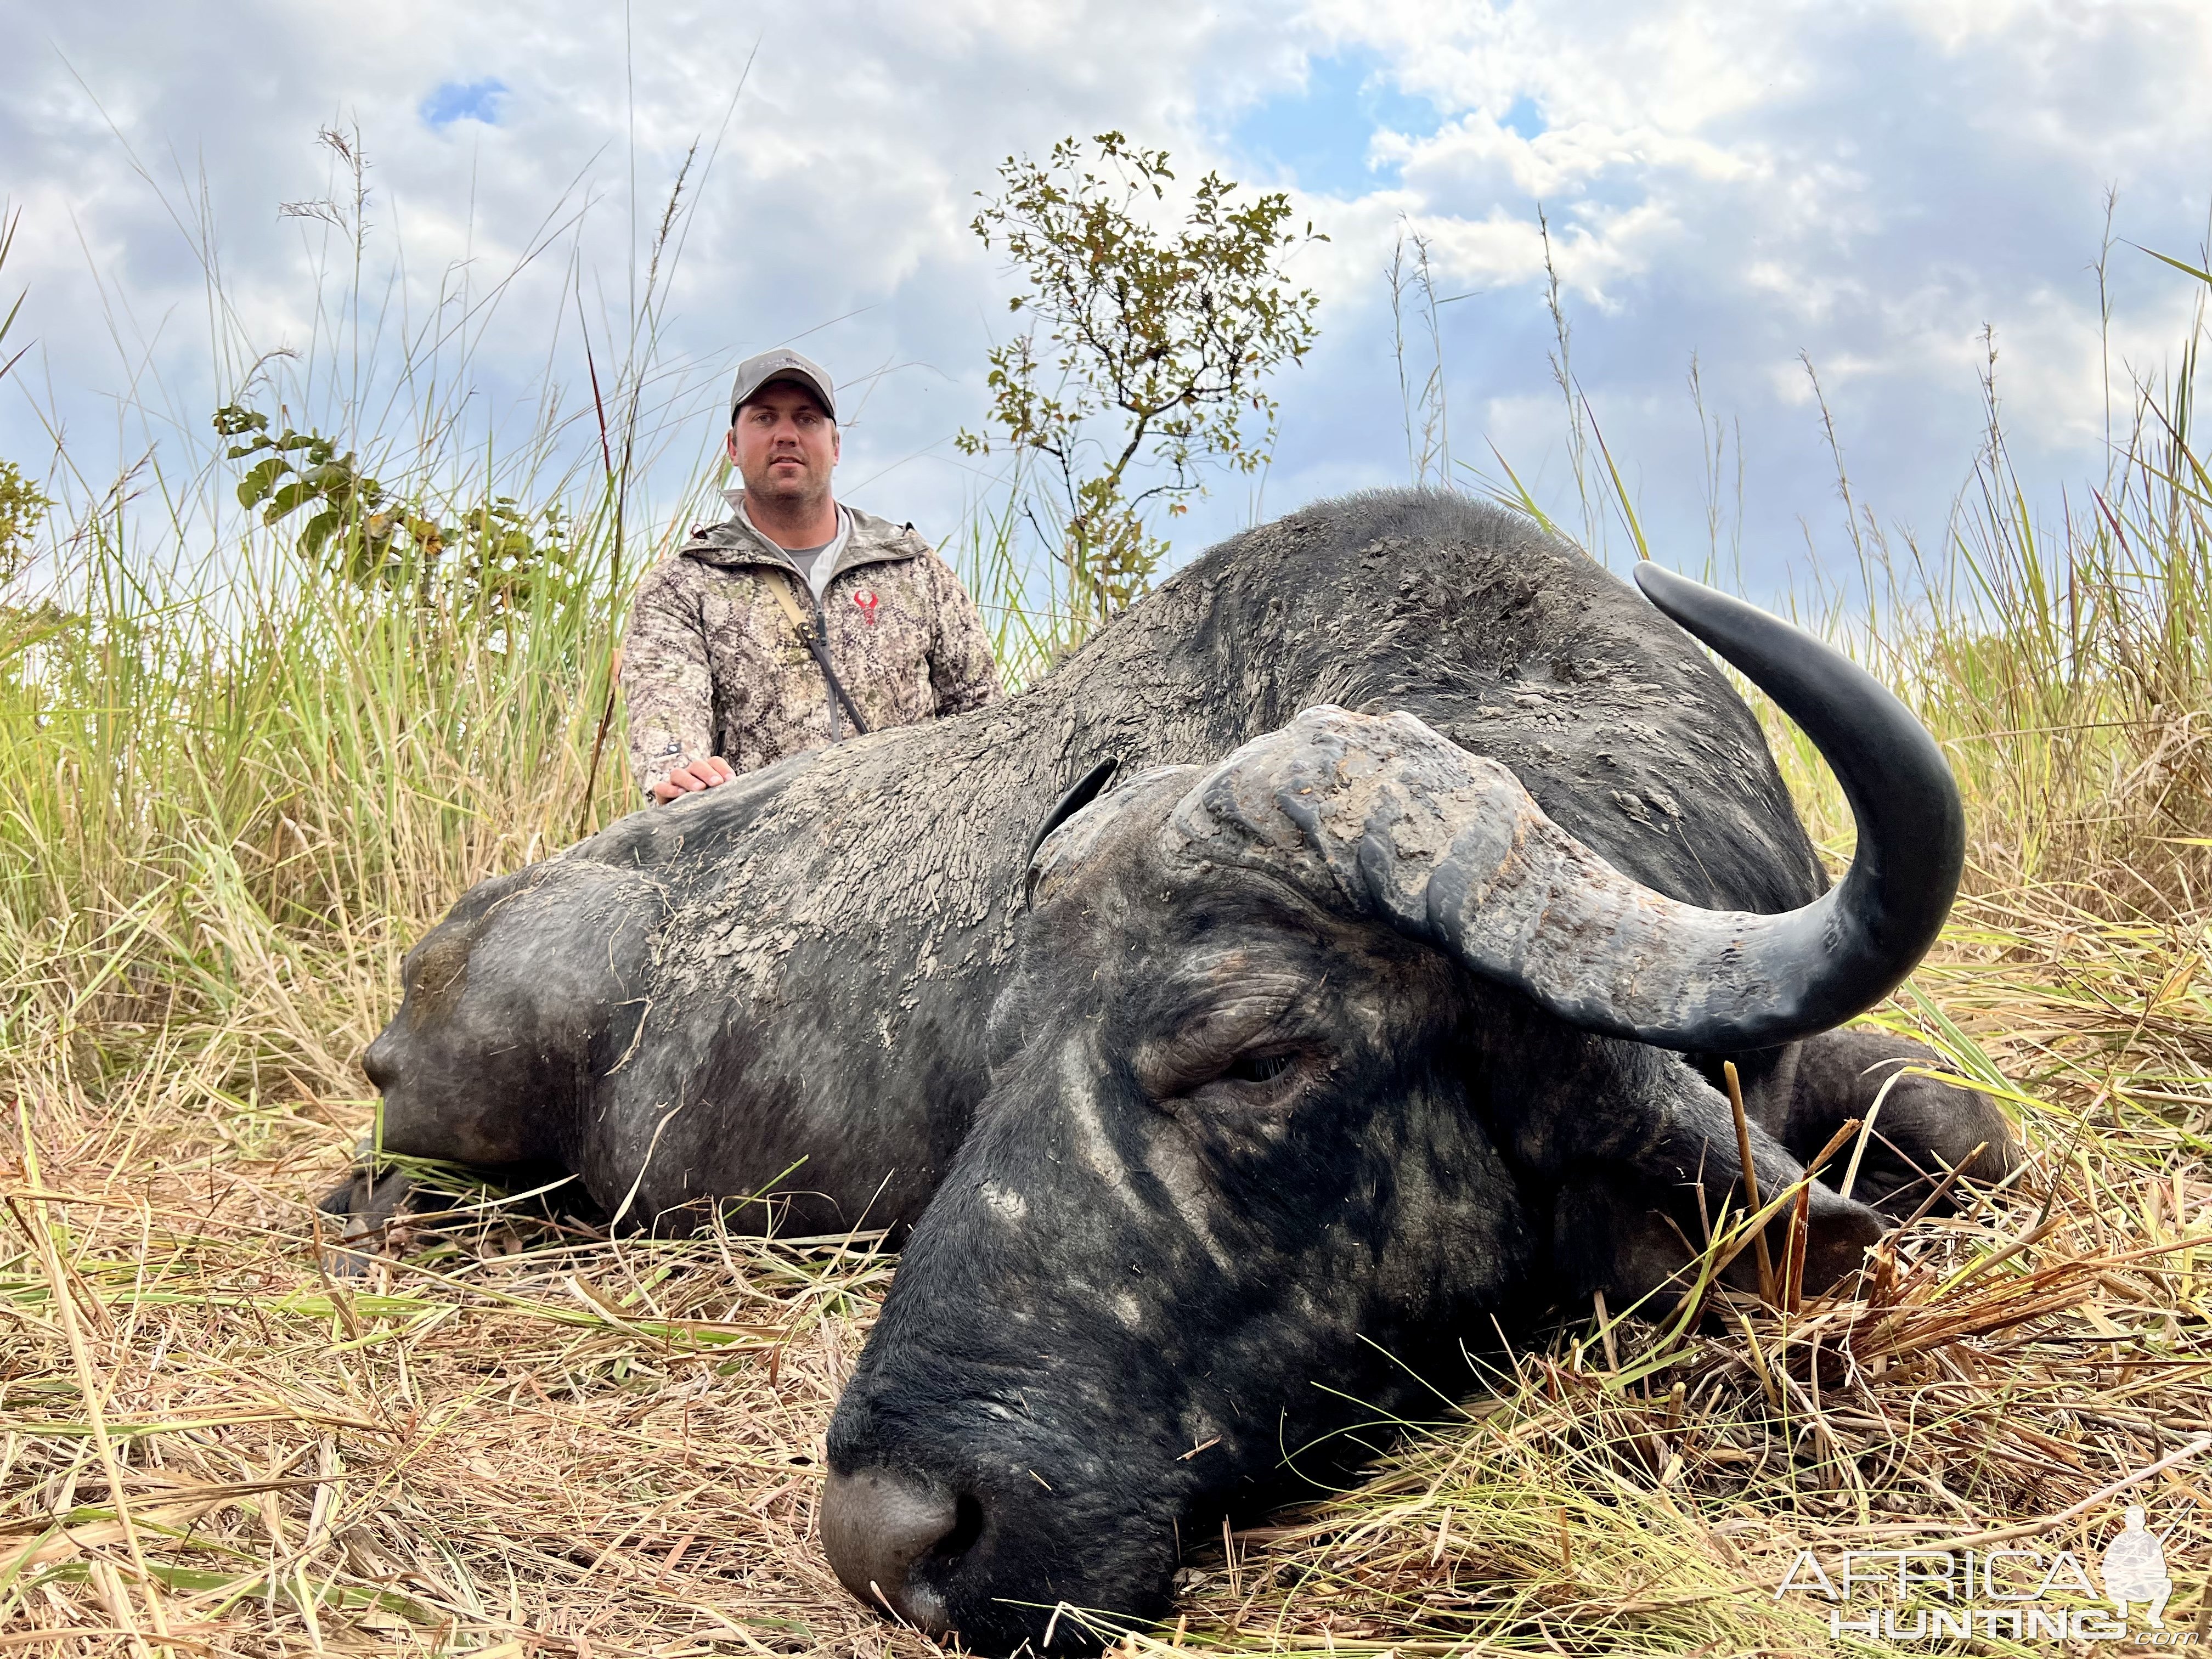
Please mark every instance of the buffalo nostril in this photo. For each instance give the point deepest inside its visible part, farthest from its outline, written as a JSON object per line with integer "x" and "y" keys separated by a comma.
{"x": 967, "y": 1527}
{"x": 875, "y": 1525}
{"x": 380, "y": 1064}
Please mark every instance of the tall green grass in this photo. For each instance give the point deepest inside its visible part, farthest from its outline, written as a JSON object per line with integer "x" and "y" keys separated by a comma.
{"x": 2066, "y": 668}
{"x": 238, "y": 784}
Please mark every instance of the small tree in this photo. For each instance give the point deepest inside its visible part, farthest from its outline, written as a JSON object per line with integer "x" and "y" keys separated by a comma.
{"x": 1145, "y": 353}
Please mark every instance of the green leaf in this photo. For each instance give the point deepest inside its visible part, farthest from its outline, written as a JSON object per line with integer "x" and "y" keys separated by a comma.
{"x": 261, "y": 479}
{"x": 318, "y": 530}
{"x": 2168, "y": 258}
{"x": 1972, "y": 1059}
{"x": 286, "y": 499}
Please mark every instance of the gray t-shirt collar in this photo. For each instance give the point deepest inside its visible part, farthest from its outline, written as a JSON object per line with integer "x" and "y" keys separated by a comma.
{"x": 817, "y": 564}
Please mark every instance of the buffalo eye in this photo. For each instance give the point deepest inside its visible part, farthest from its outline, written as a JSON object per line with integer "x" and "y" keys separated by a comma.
{"x": 1257, "y": 1068}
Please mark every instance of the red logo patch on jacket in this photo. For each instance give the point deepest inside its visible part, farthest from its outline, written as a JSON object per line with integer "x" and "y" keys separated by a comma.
{"x": 865, "y": 599}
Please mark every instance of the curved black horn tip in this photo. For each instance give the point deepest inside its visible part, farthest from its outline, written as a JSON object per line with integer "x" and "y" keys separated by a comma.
{"x": 1684, "y": 601}
{"x": 1086, "y": 789}
{"x": 1911, "y": 826}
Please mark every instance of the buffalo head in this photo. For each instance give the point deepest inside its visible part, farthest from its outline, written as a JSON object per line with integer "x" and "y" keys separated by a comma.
{"x": 1319, "y": 1065}
{"x": 507, "y": 1010}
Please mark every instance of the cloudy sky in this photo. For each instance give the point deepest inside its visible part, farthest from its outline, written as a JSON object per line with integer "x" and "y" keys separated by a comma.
{"x": 1864, "y": 186}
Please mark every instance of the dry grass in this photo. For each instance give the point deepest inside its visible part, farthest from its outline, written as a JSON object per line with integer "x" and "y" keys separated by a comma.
{"x": 511, "y": 1435}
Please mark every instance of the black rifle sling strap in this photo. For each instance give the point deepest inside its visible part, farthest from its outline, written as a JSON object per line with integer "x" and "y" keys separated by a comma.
{"x": 812, "y": 640}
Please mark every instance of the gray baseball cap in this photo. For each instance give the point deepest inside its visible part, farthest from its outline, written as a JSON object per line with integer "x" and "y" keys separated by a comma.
{"x": 782, "y": 364}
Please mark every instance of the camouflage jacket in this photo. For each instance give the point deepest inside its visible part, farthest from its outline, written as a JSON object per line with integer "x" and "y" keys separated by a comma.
{"x": 712, "y": 665}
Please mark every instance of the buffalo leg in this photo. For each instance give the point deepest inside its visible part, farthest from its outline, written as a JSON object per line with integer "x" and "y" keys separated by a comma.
{"x": 363, "y": 1209}
{"x": 1607, "y": 1234}
{"x": 1650, "y": 1165}
{"x": 1923, "y": 1129}
{"x": 365, "y": 1214}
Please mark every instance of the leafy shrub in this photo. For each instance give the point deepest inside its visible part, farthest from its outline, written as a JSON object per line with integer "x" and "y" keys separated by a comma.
{"x": 22, "y": 507}
{"x": 495, "y": 561}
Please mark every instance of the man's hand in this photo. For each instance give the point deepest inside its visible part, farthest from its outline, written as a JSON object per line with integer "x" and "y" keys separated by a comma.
{"x": 692, "y": 777}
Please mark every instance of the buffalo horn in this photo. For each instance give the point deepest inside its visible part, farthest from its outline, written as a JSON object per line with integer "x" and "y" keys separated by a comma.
{"x": 1086, "y": 789}
{"x": 1080, "y": 794}
{"x": 1450, "y": 848}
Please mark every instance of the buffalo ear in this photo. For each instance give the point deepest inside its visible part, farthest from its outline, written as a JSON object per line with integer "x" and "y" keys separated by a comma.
{"x": 1086, "y": 790}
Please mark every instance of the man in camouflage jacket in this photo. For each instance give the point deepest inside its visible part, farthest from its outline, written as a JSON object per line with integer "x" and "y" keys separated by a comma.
{"x": 719, "y": 678}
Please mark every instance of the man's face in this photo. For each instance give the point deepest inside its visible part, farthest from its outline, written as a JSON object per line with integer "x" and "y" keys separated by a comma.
{"x": 784, "y": 446}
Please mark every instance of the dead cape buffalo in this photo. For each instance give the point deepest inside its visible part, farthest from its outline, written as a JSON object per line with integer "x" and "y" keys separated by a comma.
{"x": 1323, "y": 1042}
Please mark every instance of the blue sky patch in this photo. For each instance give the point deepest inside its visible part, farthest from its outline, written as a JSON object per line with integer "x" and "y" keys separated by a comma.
{"x": 1319, "y": 134}
{"x": 1524, "y": 118}
{"x": 464, "y": 101}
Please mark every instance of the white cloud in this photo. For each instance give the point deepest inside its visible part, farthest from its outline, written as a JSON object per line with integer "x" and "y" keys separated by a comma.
{"x": 1868, "y": 185}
